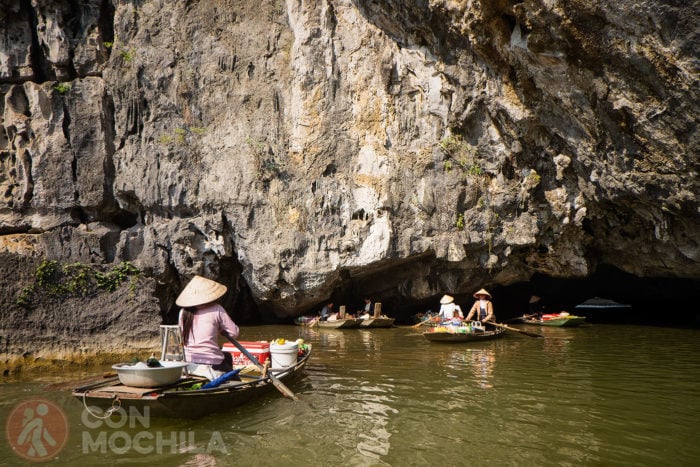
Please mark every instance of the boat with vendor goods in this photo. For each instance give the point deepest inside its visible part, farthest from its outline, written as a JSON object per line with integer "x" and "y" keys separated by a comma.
{"x": 179, "y": 395}
{"x": 562, "y": 319}
{"x": 466, "y": 332}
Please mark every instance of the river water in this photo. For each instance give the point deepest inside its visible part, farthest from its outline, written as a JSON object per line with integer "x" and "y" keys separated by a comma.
{"x": 594, "y": 395}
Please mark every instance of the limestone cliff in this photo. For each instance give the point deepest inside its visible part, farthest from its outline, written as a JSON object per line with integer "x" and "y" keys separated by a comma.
{"x": 297, "y": 149}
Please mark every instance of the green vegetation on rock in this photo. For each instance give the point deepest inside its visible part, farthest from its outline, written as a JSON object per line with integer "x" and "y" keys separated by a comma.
{"x": 52, "y": 279}
{"x": 62, "y": 88}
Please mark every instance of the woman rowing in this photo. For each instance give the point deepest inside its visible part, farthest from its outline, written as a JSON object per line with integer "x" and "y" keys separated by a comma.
{"x": 201, "y": 321}
{"x": 482, "y": 308}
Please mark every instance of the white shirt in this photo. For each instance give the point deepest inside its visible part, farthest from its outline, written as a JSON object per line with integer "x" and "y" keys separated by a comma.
{"x": 447, "y": 311}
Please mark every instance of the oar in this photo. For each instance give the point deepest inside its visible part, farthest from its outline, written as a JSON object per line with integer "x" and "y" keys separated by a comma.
{"x": 520, "y": 317}
{"x": 531, "y": 334}
{"x": 278, "y": 384}
{"x": 422, "y": 323}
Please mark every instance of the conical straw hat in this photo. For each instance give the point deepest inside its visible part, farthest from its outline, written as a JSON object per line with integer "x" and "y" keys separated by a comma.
{"x": 199, "y": 291}
{"x": 446, "y": 299}
{"x": 534, "y": 299}
{"x": 482, "y": 292}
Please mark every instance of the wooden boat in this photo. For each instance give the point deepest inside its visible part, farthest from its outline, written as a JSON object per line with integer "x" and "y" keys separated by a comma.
{"x": 306, "y": 321}
{"x": 381, "y": 322}
{"x": 346, "y": 323}
{"x": 553, "y": 319}
{"x": 461, "y": 334}
{"x": 377, "y": 319}
{"x": 313, "y": 321}
{"x": 181, "y": 400}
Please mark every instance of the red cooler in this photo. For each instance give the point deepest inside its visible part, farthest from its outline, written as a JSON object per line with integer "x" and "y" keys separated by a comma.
{"x": 259, "y": 349}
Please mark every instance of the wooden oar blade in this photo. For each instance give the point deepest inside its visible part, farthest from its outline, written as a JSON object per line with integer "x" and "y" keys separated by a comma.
{"x": 282, "y": 388}
{"x": 428, "y": 320}
{"x": 422, "y": 323}
{"x": 531, "y": 334}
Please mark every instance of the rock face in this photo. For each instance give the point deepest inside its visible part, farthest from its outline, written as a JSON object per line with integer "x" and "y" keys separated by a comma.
{"x": 296, "y": 150}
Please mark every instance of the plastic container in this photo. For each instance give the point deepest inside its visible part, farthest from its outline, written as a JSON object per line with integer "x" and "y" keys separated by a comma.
{"x": 138, "y": 376}
{"x": 283, "y": 355}
{"x": 259, "y": 350}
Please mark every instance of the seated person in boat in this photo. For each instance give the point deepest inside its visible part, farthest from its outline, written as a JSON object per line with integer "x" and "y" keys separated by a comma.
{"x": 326, "y": 311}
{"x": 535, "y": 307}
{"x": 482, "y": 308}
{"x": 368, "y": 311}
{"x": 201, "y": 321}
{"x": 448, "y": 308}
{"x": 456, "y": 319}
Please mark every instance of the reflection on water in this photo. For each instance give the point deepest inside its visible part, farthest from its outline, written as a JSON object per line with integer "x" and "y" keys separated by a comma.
{"x": 596, "y": 395}
{"x": 478, "y": 361}
{"x": 364, "y": 404}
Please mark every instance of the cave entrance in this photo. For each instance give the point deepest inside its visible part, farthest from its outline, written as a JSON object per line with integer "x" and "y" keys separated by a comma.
{"x": 658, "y": 301}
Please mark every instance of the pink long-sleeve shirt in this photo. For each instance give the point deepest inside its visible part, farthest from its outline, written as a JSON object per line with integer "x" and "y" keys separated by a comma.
{"x": 203, "y": 345}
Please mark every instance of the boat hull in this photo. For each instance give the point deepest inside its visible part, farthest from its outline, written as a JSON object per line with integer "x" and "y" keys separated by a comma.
{"x": 176, "y": 402}
{"x": 377, "y": 323}
{"x": 311, "y": 321}
{"x": 349, "y": 323}
{"x": 568, "y": 321}
{"x": 445, "y": 336}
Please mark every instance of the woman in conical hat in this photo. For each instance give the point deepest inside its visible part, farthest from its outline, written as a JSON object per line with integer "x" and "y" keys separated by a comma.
{"x": 446, "y": 299}
{"x": 535, "y": 305}
{"x": 448, "y": 308}
{"x": 201, "y": 321}
{"x": 482, "y": 308}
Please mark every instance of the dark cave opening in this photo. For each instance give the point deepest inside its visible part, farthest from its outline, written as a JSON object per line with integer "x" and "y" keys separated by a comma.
{"x": 652, "y": 301}
{"x": 657, "y": 301}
